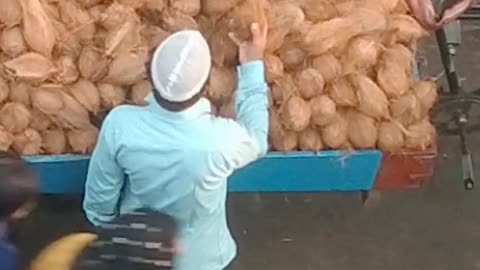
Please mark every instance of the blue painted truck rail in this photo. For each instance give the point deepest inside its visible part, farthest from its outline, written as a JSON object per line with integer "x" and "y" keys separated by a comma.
{"x": 278, "y": 172}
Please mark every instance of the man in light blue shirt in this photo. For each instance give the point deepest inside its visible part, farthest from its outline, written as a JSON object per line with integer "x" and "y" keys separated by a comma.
{"x": 176, "y": 155}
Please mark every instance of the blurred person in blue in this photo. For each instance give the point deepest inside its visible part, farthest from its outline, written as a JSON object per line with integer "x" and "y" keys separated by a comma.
{"x": 18, "y": 191}
{"x": 175, "y": 154}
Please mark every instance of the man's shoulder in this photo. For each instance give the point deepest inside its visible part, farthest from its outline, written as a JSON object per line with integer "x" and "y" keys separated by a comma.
{"x": 124, "y": 113}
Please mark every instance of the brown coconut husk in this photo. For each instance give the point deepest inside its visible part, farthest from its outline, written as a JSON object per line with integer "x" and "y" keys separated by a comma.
{"x": 330, "y": 34}
{"x": 224, "y": 50}
{"x": 124, "y": 38}
{"x": 15, "y": 117}
{"x": 27, "y": 142}
{"x": 426, "y": 93}
{"x": 111, "y": 95}
{"x": 6, "y": 139}
{"x": 342, "y": 93}
{"x": 77, "y": 20}
{"x": 371, "y": 99}
{"x": 406, "y": 109}
{"x": 328, "y": 65}
{"x": 89, "y": 3}
{"x": 54, "y": 141}
{"x": 154, "y": 35}
{"x": 323, "y": 110}
{"x": 128, "y": 68}
{"x": 190, "y": 7}
{"x": 12, "y": 42}
{"x": 292, "y": 56}
{"x": 310, "y": 83}
{"x": 408, "y": 30}
{"x": 296, "y": 114}
{"x": 174, "y": 21}
{"x": 92, "y": 64}
{"x": 10, "y": 13}
{"x": 362, "y": 130}
{"x": 30, "y": 67}
{"x": 247, "y": 12}
{"x": 67, "y": 70}
{"x": 221, "y": 84}
{"x": 96, "y": 11}
{"x": 82, "y": 141}
{"x": 38, "y": 29}
{"x": 362, "y": 53}
{"x": 390, "y": 137}
{"x": 319, "y": 10}
{"x": 40, "y": 121}
{"x": 227, "y": 110}
{"x": 334, "y": 135}
{"x": 273, "y": 67}
{"x": 279, "y": 138}
{"x": 282, "y": 89}
{"x": 310, "y": 139}
{"x": 116, "y": 14}
{"x": 140, "y": 91}
{"x": 48, "y": 99}
{"x": 20, "y": 93}
{"x": 369, "y": 19}
{"x": 86, "y": 93}
{"x": 73, "y": 115}
{"x": 215, "y": 7}
{"x": 4, "y": 90}
{"x": 421, "y": 135}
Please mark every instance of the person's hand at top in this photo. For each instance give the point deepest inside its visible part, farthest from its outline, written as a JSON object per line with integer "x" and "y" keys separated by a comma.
{"x": 253, "y": 49}
{"x": 425, "y": 14}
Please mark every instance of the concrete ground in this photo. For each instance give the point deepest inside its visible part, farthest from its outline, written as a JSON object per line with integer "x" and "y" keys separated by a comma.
{"x": 437, "y": 227}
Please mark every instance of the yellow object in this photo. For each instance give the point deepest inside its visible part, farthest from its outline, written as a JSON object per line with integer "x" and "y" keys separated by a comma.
{"x": 62, "y": 254}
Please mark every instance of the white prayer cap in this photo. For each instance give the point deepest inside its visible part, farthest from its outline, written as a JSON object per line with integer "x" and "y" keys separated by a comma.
{"x": 181, "y": 65}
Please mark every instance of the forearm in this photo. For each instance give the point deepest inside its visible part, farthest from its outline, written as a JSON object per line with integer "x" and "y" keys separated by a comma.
{"x": 251, "y": 103}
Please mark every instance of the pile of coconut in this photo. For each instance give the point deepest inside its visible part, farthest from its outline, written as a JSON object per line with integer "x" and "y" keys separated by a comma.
{"x": 340, "y": 72}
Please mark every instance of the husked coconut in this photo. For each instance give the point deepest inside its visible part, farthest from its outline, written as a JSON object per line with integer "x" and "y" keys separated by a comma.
{"x": 408, "y": 30}
{"x": 174, "y": 21}
{"x": 73, "y": 115}
{"x": 247, "y": 12}
{"x": 319, "y": 10}
{"x": 20, "y": 93}
{"x": 54, "y": 141}
{"x": 362, "y": 130}
{"x": 124, "y": 38}
{"x": 224, "y": 50}
{"x": 140, "y": 91}
{"x": 86, "y": 93}
{"x": 190, "y": 7}
{"x": 82, "y": 141}
{"x": 362, "y": 53}
{"x": 88, "y": 3}
{"x": 407, "y": 109}
{"x": 6, "y": 139}
{"x": 4, "y": 90}
{"x": 155, "y": 35}
{"x": 282, "y": 89}
{"x": 371, "y": 99}
{"x": 310, "y": 83}
{"x": 38, "y": 29}
{"x": 116, "y": 14}
{"x": 77, "y": 19}
{"x": 342, "y": 93}
{"x": 40, "y": 121}
{"x": 10, "y": 13}
{"x": 127, "y": 68}
{"x": 221, "y": 84}
{"x": 369, "y": 19}
{"x": 393, "y": 79}
{"x": 111, "y": 95}
{"x": 30, "y": 67}
{"x": 291, "y": 56}
{"x": 28, "y": 142}
{"x": 310, "y": 140}
{"x": 426, "y": 93}
{"x": 328, "y": 65}
{"x": 47, "y": 99}
{"x": 334, "y": 135}
{"x": 296, "y": 114}
{"x": 215, "y": 7}
{"x": 12, "y": 42}
{"x": 390, "y": 137}
{"x": 67, "y": 70}
{"x": 92, "y": 64}
{"x": 15, "y": 117}
{"x": 273, "y": 67}
{"x": 283, "y": 17}
{"x": 323, "y": 110}
{"x": 421, "y": 135}
{"x": 96, "y": 11}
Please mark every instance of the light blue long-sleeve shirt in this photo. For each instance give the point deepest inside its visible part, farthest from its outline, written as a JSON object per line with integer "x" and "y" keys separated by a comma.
{"x": 178, "y": 163}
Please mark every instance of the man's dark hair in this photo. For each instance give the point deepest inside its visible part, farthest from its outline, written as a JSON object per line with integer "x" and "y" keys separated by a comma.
{"x": 18, "y": 184}
{"x": 171, "y": 105}
{"x": 141, "y": 240}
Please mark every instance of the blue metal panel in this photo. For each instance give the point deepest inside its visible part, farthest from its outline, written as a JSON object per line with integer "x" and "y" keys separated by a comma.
{"x": 293, "y": 172}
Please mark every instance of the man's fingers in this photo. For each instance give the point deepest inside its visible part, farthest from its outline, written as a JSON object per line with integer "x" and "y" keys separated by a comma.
{"x": 256, "y": 32}
{"x": 235, "y": 39}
